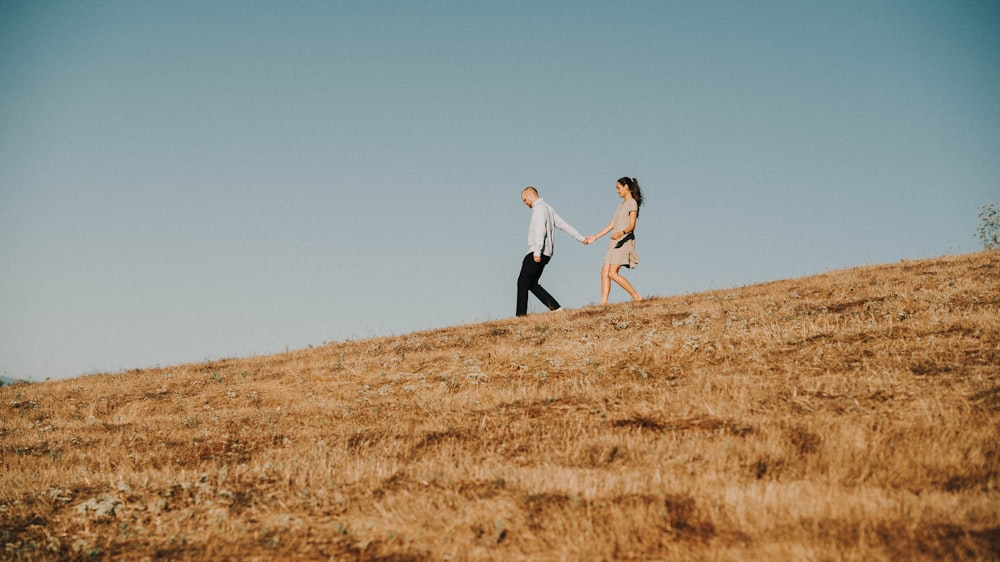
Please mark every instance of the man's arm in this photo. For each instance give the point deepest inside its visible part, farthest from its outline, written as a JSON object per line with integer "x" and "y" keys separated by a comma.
{"x": 536, "y": 232}
{"x": 565, "y": 227}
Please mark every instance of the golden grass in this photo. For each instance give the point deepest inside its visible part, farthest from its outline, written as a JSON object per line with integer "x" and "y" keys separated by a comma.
{"x": 853, "y": 415}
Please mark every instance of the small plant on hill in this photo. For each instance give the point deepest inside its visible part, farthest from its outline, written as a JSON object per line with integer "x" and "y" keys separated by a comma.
{"x": 989, "y": 228}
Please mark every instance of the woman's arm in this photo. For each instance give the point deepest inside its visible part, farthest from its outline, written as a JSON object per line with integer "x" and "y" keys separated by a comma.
{"x": 606, "y": 230}
{"x": 632, "y": 215}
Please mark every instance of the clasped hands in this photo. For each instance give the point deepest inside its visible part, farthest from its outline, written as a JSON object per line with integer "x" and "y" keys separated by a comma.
{"x": 590, "y": 239}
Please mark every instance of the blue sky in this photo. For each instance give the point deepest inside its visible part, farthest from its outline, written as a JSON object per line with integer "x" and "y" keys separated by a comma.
{"x": 186, "y": 181}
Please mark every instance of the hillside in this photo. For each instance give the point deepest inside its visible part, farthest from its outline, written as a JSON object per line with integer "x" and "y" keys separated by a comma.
{"x": 852, "y": 415}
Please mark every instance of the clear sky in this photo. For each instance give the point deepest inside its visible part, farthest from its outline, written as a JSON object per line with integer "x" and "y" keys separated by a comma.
{"x": 193, "y": 180}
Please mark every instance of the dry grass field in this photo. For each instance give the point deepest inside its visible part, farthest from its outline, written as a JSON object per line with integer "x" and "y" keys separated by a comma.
{"x": 853, "y": 415}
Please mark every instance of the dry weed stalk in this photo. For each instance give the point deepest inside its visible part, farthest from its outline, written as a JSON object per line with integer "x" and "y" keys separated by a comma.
{"x": 847, "y": 416}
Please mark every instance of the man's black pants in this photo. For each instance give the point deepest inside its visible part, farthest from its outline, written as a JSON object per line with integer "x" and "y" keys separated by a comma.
{"x": 531, "y": 272}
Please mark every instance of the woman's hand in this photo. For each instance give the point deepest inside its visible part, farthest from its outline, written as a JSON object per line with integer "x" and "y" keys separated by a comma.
{"x": 617, "y": 235}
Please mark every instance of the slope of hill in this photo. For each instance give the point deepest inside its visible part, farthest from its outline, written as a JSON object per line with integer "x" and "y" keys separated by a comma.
{"x": 847, "y": 416}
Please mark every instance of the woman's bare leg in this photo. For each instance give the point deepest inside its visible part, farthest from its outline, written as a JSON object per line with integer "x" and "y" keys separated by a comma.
{"x": 614, "y": 276}
{"x": 605, "y": 283}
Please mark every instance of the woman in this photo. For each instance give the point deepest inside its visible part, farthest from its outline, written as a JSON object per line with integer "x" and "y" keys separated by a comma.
{"x": 621, "y": 251}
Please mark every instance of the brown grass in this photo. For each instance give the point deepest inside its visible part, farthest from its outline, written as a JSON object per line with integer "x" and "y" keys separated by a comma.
{"x": 847, "y": 416}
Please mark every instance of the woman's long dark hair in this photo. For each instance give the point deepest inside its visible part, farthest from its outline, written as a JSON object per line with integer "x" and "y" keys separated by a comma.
{"x": 633, "y": 188}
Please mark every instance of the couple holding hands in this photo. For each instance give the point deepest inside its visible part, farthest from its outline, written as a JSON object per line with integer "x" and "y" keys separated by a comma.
{"x": 621, "y": 251}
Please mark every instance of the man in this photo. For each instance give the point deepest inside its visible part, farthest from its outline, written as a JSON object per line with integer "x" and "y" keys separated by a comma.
{"x": 540, "y": 234}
